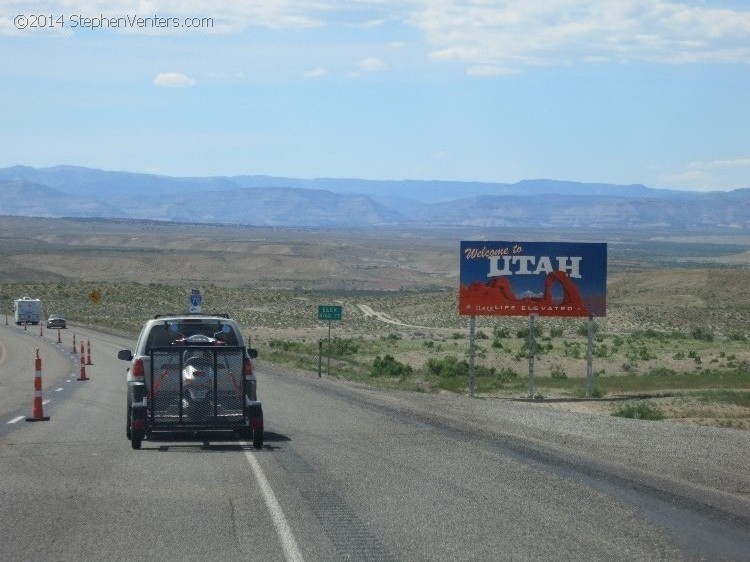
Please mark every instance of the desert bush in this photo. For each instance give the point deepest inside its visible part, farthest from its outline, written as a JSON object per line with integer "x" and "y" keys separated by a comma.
{"x": 507, "y": 374}
{"x": 344, "y": 346}
{"x": 557, "y": 372}
{"x": 388, "y": 366}
{"x": 661, "y": 372}
{"x": 556, "y": 332}
{"x": 737, "y": 336}
{"x": 639, "y": 411}
{"x": 480, "y": 335}
{"x": 500, "y": 332}
{"x": 390, "y": 338}
{"x": 285, "y": 345}
{"x": 702, "y": 333}
{"x": 583, "y": 328}
{"x": 524, "y": 332}
{"x": 572, "y": 349}
{"x": 447, "y": 367}
{"x": 450, "y": 367}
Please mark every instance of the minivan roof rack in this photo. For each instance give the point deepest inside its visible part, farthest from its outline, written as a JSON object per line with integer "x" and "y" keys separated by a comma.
{"x": 216, "y": 315}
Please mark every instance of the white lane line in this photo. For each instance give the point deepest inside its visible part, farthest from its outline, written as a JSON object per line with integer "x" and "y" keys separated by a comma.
{"x": 16, "y": 420}
{"x": 59, "y": 389}
{"x": 288, "y": 542}
{"x": 45, "y": 402}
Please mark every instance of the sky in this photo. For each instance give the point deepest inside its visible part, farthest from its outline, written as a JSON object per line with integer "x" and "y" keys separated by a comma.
{"x": 650, "y": 92}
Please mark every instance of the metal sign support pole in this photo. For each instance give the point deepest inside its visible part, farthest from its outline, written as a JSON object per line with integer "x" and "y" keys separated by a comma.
{"x": 589, "y": 360}
{"x": 471, "y": 355}
{"x": 329, "y": 348}
{"x": 531, "y": 355}
{"x": 320, "y": 357}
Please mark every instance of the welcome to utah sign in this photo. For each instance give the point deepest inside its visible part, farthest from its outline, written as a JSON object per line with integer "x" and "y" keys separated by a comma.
{"x": 524, "y": 278}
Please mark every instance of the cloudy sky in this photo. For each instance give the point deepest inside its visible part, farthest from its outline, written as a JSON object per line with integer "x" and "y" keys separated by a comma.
{"x": 617, "y": 91}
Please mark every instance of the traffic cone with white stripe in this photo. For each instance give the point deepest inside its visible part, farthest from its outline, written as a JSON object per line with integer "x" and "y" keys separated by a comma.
{"x": 83, "y": 376}
{"x": 37, "y": 410}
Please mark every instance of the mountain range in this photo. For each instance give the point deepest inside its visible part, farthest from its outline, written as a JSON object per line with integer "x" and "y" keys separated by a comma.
{"x": 70, "y": 191}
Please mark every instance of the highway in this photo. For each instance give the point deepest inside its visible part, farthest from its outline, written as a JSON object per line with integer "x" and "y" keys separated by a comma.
{"x": 353, "y": 473}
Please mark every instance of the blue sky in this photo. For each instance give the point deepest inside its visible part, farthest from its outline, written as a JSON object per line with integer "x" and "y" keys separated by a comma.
{"x": 614, "y": 91}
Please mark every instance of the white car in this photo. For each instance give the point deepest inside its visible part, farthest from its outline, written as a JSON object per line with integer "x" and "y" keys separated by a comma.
{"x": 191, "y": 372}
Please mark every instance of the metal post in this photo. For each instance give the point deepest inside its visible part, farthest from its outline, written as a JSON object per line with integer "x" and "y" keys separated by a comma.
{"x": 531, "y": 355}
{"x": 329, "y": 348}
{"x": 471, "y": 355}
{"x": 589, "y": 360}
{"x": 320, "y": 357}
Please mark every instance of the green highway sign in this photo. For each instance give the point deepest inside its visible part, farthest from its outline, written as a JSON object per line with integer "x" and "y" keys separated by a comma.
{"x": 326, "y": 312}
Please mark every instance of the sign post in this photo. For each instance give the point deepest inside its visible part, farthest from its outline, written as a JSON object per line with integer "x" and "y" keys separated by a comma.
{"x": 330, "y": 313}
{"x": 589, "y": 360}
{"x": 195, "y": 300}
{"x": 471, "y": 355}
{"x": 532, "y": 317}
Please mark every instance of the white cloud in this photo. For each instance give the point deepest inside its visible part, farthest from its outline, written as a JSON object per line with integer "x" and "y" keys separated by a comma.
{"x": 316, "y": 73}
{"x": 711, "y": 175}
{"x": 505, "y": 33}
{"x": 721, "y": 164}
{"x": 173, "y": 80}
{"x": 489, "y": 70}
{"x": 372, "y": 64}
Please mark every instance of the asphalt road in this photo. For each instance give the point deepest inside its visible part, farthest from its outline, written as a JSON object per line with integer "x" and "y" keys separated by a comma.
{"x": 352, "y": 473}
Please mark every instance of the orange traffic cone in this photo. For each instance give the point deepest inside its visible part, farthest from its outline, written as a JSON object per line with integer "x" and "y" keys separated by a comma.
{"x": 41, "y": 329}
{"x": 88, "y": 352}
{"x": 74, "y": 342}
{"x": 37, "y": 411}
{"x": 83, "y": 376}
{"x": 58, "y": 336}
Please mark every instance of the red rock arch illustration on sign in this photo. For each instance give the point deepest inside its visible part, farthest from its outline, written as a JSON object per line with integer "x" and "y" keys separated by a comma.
{"x": 571, "y": 296}
{"x": 496, "y": 297}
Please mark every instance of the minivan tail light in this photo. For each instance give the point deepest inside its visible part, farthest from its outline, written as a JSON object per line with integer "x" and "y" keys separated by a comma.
{"x": 248, "y": 369}
{"x": 138, "y": 370}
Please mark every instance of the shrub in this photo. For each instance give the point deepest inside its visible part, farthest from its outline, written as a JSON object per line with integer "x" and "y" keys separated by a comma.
{"x": 388, "y": 366}
{"x": 343, "y": 346}
{"x": 703, "y": 333}
{"x": 501, "y": 332}
{"x": 447, "y": 367}
{"x": 507, "y": 374}
{"x": 285, "y": 345}
{"x": 583, "y": 328}
{"x": 738, "y": 336}
{"x": 391, "y": 338}
{"x": 639, "y": 411}
{"x": 556, "y": 332}
{"x": 480, "y": 335}
{"x": 524, "y": 332}
{"x": 558, "y": 372}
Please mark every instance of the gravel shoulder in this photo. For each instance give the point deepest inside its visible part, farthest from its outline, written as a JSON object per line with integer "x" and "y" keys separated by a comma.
{"x": 706, "y": 464}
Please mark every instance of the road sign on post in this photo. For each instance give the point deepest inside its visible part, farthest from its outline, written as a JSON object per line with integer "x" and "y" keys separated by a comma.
{"x": 326, "y": 312}
{"x": 330, "y": 313}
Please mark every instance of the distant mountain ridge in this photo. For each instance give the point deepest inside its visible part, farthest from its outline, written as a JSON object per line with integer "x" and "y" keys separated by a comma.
{"x": 69, "y": 191}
